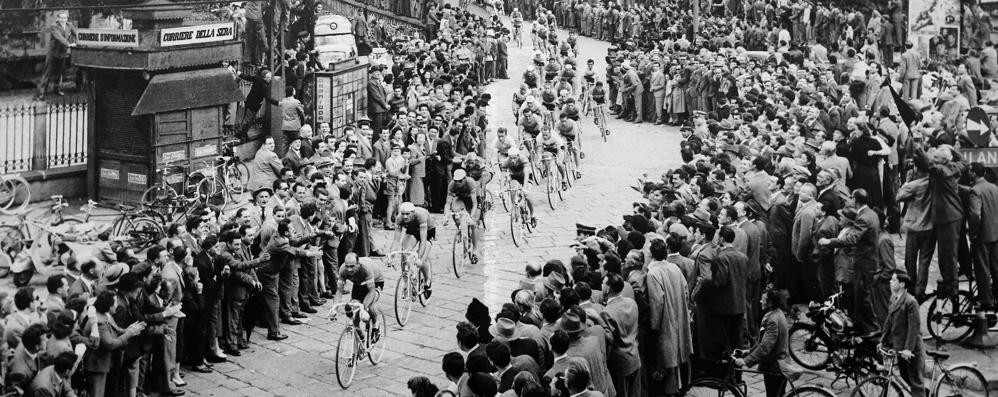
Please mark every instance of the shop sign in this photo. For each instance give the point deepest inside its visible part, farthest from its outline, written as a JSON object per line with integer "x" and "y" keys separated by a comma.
{"x": 986, "y": 156}
{"x": 137, "y": 179}
{"x": 197, "y": 34}
{"x": 107, "y": 173}
{"x": 174, "y": 179}
{"x": 202, "y": 151}
{"x": 169, "y": 157}
{"x": 322, "y": 103}
{"x": 107, "y": 38}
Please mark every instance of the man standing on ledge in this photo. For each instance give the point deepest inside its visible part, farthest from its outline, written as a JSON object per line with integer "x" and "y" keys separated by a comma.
{"x": 62, "y": 37}
{"x": 377, "y": 100}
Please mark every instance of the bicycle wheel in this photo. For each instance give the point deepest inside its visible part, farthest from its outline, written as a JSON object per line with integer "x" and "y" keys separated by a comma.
{"x": 15, "y": 194}
{"x": 525, "y": 215}
{"x": 877, "y": 386}
{"x": 159, "y": 197}
{"x": 378, "y": 336}
{"x": 516, "y": 227}
{"x": 502, "y": 197}
{"x": 458, "y": 254}
{"x": 237, "y": 177}
{"x": 142, "y": 232}
{"x": 419, "y": 290}
{"x": 213, "y": 193}
{"x": 550, "y": 190}
{"x": 809, "y": 347}
{"x": 346, "y": 352}
{"x": 710, "y": 387}
{"x": 950, "y": 321}
{"x": 403, "y": 300}
{"x": 811, "y": 391}
{"x": 961, "y": 380}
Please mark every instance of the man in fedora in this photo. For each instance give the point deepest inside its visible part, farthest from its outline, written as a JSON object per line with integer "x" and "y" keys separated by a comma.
{"x": 588, "y": 343}
{"x": 508, "y": 366}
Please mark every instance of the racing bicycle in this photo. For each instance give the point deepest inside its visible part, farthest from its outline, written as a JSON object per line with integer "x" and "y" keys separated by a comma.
{"x": 462, "y": 247}
{"x": 599, "y": 118}
{"x": 359, "y": 339}
{"x": 959, "y": 380}
{"x": 410, "y": 286}
{"x": 520, "y": 221}
{"x": 552, "y": 178}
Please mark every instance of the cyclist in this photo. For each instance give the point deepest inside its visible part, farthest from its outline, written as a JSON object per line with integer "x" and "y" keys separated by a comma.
{"x": 462, "y": 195}
{"x": 504, "y": 143}
{"x": 368, "y": 282}
{"x": 568, "y": 128}
{"x": 538, "y": 69}
{"x": 418, "y": 223}
{"x": 551, "y": 69}
{"x": 530, "y": 77}
{"x": 549, "y": 96}
{"x": 517, "y": 18}
{"x": 573, "y": 42}
{"x": 589, "y": 76}
{"x": 531, "y": 122}
{"x": 516, "y": 163}
{"x": 519, "y": 98}
{"x": 570, "y": 109}
{"x": 555, "y": 145}
{"x": 598, "y": 96}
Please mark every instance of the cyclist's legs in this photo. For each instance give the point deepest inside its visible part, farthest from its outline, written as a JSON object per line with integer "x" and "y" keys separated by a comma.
{"x": 560, "y": 162}
{"x": 423, "y": 256}
{"x": 518, "y": 187}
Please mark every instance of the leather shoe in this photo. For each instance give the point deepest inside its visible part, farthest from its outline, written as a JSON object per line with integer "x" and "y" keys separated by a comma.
{"x": 215, "y": 359}
{"x": 298, "y": 315}
{"x": 242, "y": 346}
{"x": 172, "y": 393}
{"x": 232, "y": 352}
{"x": 289, "y": 321}
{"x": 327, "y": 295}
{"x": 317, "y": 302}
{"x": 201, "y": 368}
{"x": 309, "y": 309}
{"x": 277, "y": 337}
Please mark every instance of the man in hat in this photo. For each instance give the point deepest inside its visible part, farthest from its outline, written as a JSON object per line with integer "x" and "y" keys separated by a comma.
{"x": 671, "y": 338}
{"x": 589, "y": 343}
{"x": 621, "y": 316}
{"x": 377, "y": 100}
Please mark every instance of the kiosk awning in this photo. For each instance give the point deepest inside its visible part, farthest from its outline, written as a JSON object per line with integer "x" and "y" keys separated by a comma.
{"x": 188, "y": 90}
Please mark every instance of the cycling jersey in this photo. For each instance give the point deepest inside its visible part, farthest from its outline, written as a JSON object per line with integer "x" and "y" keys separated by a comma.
{"x": 549, "y": 95}
{"x": 362, "y": 273}
{"x": 517, "y": 18}
{"x": 516, "y": 166}
{"x": 519, "y": 98}
{"x": 552, "y": 145}
{"x": 532, "y": 124}
{"x": 473, "y": 167}
{"x": 419, "y": 219}
{"x": 463, "y": 191}
{"x": 571, "y": 110}
{"x": 566, "y": 128}
{"x": 599, "y": 95}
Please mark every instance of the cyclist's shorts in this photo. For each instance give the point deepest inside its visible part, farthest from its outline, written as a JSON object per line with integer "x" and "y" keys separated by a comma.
{"x": 518, "y": 177}
{"x": 574, "y": 117}
{"x": 431, "y": 233}
{"x": 552, "y": 150}
{"x": 465, "y": 204}
{"x": 549, "y": 106}
{"x": 532, "y": 132}
{"x": 568, "y": 138}
{"x": 359, "y": 292}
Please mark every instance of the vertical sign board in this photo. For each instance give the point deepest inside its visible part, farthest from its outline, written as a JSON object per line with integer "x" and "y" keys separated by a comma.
{"x": 934, "y": 28}
{"x": 322, "y": 99}
{"x": 340, "y": 97}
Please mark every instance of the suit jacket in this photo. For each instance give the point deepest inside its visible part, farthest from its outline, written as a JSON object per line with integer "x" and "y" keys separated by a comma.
{"x": 800, "y": 241}
{"x": 685, "y": 264}
{"x": 983, "y": 211}
{"x": 943, "y": 187}
{"x": 621, "y": 315}
{"x": 22, "y": 368}
{"x": 658, "y": 83}
{"x": 911, "y": 61}
{"x": 773, "y": 341}
{"x": 48, "y": 383}
{"x": 59, "y": 39}
{"x": 753, "y": 242}
{"x": 902, "y": 329}
{"x": 265, "y": 169}
{"x": 864, "y": 242}
{"x": 516, "y": 365}
{"x": 79, "y": 287}
{"x": 727, "y": 285}
{"x": 591, "y": 346}
{"x": 377, "y": 97}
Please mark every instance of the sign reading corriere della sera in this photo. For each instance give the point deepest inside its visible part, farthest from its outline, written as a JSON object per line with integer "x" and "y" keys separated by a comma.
{"x": 197, "y": 34}
{"x": 107, "y": 38}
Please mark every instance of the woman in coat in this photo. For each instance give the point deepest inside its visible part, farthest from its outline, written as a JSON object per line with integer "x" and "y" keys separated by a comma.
{"x": 771, "y": 351}
{"x": 417, "y": 170}
{"x": 194, "y": 321}
{"x": 678, "y": 103}
{"x": 98, "y": 362}
{"x": 866, "y": 154}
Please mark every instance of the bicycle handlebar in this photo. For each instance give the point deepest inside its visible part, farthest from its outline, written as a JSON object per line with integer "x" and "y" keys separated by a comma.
{"x": 335, "y": 310}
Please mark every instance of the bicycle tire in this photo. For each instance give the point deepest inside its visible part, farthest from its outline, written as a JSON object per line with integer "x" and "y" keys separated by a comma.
{"x": 420, "y": 289}
{"x": 712, "y": 387}
{"x": 15, "y": 194}
{"x": 804, "y": 337}
{"x": 947, "y": 323}
{"x": 810, "y": 391}
{"x": 403, "y": 300}
{"x": 525, "y": 214}
{"x": 515, "y": 228}
{"x": 877, "y": 386}
{"x": 213, "y": 193}
{"x": 238, "y": 178}
{"x": 502, "y": 197}
{"x": 143, "y": 232}
{"x": 159, "y": 196}
{"x": 457, "y": 257}
{"x": 346, "y": 352}
{"x": 376, "y": 351}
{"x": 961, "y": 380}
{"x": 549, "y": 191}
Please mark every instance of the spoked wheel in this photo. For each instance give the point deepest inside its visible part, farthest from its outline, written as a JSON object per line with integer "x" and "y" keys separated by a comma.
{"x": 15, "y": 194}
{"x": 877, "y": 386}
{"x": 346, "y": 357}
{"x": 550, "y": 190}
{"x": 459, "y": 255}
{"x": 502, "y": 197}
{"x": 238, "y": 177}
{"x": 962, "y": 380}
{"x": 809, "y": 347}
{"x": 212, "y": 192}
{"x": 811, "y": 391}
{"x": 950, "y": 319}
{"x": 487, "y": 205}
{"x": 141, "y": 232}
{"x": 516, "y": 222}
{"x": 159, "y": 198}
{"x": 403, "y": 301}
{"x": 712, "y": 388}
{"x": 378, "y": 336}
{"x": 420, "y": 289}
{"x": 527, "y": 221}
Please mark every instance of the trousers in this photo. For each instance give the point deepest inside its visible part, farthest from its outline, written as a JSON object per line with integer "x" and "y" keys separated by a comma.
{"x": 288, "y": 289}
{"x": 918, "y": 250}
{"x": 986, "y": 271}
{"x": 232, "y": 315}
{"x": 271, "y": 300}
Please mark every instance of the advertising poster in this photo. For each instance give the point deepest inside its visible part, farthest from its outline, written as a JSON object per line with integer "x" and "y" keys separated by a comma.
{"x": 934, "y": 28}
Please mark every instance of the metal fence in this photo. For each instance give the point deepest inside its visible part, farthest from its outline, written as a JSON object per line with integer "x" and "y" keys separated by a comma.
{"x": 40, "y": 135}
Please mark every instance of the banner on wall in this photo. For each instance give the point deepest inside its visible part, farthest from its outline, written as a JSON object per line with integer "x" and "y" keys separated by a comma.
{"x": 934, "y": 28}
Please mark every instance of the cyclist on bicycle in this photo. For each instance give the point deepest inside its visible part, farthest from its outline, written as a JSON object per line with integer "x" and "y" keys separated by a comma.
{"x": 555, "y": 145}
{"x": 516, "y": 163}
{"x": 530, "y": 78}
{"x": 551, "y": 69}
{"x": 518, "y": 98}
{"x": 568, "y": 128}
{"x": 549, "y": 96}
{"x": 368, "y": 282}
{"x": 573, "y": 42}
{"x": 517, "y": 18}
{"x": 569, "y": 108}
{"x": 531, "y": 122}
{"x": 462, "y": 195}
{"x": 504, "y": 143}
{"x": 590, "y": 74}
{"x": 418, "y": 223}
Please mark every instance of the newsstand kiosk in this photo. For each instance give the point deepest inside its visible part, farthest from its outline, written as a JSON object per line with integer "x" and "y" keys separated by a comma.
{"x": 159, "y": 95}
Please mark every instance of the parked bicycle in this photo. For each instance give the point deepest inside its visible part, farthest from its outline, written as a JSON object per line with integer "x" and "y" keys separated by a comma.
{"x": 161, "y": 198}
{"x": 15, "y": 194}
{"x": 830, "y": 341}
{"x": 359, "y": 339}
{"x": 959, "y": 380}
{"x": 731, "y": 384}
{"x": 410, "y": 286}
{"x": 220, "y": 182}
{"x": 131, "y": 226}
{"x": 951, "y": 319}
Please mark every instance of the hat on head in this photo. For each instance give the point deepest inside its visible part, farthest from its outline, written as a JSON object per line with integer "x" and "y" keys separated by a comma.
{"x": 504, "y": 330}
{"x": 639, "y": 223}
{"x": 113, "y": 273}
{"x": 848, "y": 214}
{"x": 363, "y": 121}
{"x": 460, "y": 174}
{"x": 571, "y": 323}
{"x": 261, "y": 190}
{"x": 554, "y": 281}
{"x": 324, "y": 162}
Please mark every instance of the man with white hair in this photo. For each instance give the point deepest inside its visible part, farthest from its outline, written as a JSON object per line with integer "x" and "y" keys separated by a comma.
{"x": 829, "y": 160}
{"x": 946, "y": 208}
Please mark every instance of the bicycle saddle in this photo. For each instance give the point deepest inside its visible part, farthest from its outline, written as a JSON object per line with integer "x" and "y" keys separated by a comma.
{"x": 937, "y": 354}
